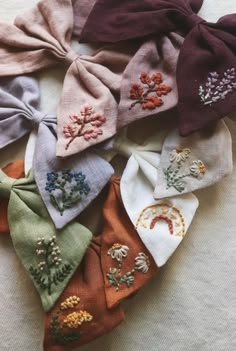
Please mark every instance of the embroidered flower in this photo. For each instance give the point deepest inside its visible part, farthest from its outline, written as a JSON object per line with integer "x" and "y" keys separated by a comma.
{"x": 70, "y": 302}
{"x": 66, "y": 188}
{"x": 179, "y": 154}
{"x": 143, "y": 94}
{"x": 142, "y": 262}
{"x": 86, "y": 125}
{"x": 75, "y": 319}
{"x": 174, "y": 177}
{"x": 48, "y": 273}
{"x": 118, "y": 251}
{"x": 217, "y": 87}
{"x": 60, "y": 324}
{"x": 198, "y": 168}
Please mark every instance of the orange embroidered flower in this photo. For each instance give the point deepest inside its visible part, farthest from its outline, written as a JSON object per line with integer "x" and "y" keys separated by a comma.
{"x": 142, "y": 94}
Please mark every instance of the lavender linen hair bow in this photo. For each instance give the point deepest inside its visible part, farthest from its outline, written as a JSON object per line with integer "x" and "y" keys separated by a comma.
{"x": 41, "y": 38}
{"x": 67, "y": 186}
{"x": 206, "y": 68}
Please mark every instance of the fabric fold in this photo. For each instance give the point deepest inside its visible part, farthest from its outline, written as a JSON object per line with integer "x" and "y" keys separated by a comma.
{"x": 194, "y": 162}
{"x": 81, "y": 314}
{"x": 126, "y": 262}
{"x": 50, "y": 256}
{"x": 13, "y": 170}
{"x": 206, "y": 81}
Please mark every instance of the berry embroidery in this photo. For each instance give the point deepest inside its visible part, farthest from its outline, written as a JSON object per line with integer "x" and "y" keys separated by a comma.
{"x": 86, "y": 125}
{"x": 218, "y": 87}
{"x": 143, "y": 93}
{"x": 171, "y": 215}
{"x": 119, "y": 252}
{"x": 48, "y": 272}
{"x": 174, "y": 177}
{"x": 64, "y": 326}
{"x": 66, "y": 188}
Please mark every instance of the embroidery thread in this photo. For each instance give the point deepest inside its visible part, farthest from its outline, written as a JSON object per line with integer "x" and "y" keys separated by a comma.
{"x": 115, "y": 277}
{"x": 218, "y": 87}
{"x": 86, "y": 125}
{"x": 60, "y": 327}
{"x": 66, "y": 188}
{"x": 47, "y": 273}
{"x": 173, "y": 176}
{"x": 168, "y": 213}
{"x": 150, "y": 84}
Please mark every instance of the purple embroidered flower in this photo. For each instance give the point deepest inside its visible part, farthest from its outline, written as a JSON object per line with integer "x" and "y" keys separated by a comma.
{"x": 217, "y": 88}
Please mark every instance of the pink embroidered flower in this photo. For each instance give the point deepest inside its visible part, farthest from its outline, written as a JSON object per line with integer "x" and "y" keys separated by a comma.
{"x": 70, "y": 130}
{"x": 86, "y": 125}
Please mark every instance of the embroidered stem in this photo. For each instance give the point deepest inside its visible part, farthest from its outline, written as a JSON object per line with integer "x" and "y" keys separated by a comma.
{"x": 115, "y": 276}
{"x": 47, "y": 274}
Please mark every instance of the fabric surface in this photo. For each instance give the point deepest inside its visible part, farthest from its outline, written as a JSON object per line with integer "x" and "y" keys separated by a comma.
{"x": 194, "y": 162}
{"x": 126, "y": 263}
{"x": 191, "y": 306}
{"x": 14, "y": 170}
{"x": 50, "y": 256}
{"x": 79, "y": 298}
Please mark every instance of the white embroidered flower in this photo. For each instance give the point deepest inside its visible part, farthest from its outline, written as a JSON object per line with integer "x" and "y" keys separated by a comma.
{"x": 179, "y": 154}
{"x": 198, "y": 168}
{"x": 118, "y": 251}
{"x": 142, "y": 262}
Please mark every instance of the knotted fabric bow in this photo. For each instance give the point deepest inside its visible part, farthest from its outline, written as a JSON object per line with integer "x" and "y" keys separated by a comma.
{"x": 66, "y": 186}
{"x": 206, "y": 80}
{"x": 81, "y": 314}
{"x": 40, "y": 38}
{"x": 50, "y": 256}
{"x": 163, "y": 224}
{"x": 194, "y": 162}
{"x": 13, "y": 170}
{"x": 127, "y": 264}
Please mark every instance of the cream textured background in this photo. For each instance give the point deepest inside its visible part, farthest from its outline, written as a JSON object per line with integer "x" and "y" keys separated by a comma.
{"x": 190, "y": 305}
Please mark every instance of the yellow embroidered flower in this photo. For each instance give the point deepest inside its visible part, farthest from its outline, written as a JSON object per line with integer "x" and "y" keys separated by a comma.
{"x": 70, "y": 302}
{"x": 179, "y": 154}
{"x": 142, "y": 262}
{"x": 75, "y": 319}
{"x": 198, "y": 168}
{"x": 118, "y": 251}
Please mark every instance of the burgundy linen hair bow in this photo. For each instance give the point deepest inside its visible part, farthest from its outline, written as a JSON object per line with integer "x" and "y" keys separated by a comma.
{"x": 206, "y": 68}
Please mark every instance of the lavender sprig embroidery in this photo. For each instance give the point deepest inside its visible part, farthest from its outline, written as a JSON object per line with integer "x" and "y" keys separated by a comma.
{"x": 218, "y": 87}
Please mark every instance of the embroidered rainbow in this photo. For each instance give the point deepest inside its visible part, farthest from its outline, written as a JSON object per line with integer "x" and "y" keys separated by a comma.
{"x": 168, "y": 213}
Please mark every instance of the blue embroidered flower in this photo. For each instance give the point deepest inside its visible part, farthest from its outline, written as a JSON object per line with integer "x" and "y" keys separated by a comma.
{"x": 66, "y": 188}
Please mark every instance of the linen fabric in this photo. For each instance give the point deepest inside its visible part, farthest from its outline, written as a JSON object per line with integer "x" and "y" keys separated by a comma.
{"x": 20, "y": 113}
{"x": 206, "y": 80}
{"x": 148, "y": 84}
{"x": 81, "y": 8}
{"x": 194, "y": 162}
{"x": 86, "y": 293}
{"x": 13, "y": 170}
{"x": 121, "y": 247}
{"x": 111, "y": 21}
{"x": 49, "y": 256}
{"x": 161, "y": 225}
{"x": 40, "y": 38}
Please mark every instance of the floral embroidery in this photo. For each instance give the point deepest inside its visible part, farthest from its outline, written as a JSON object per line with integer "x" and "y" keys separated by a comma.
{"x": 60, "y": 328}
{"x": 151, "y": 84}
{"x": 86, "y": 125}
{"x": 66, "y": 188}
{"x": 153, "y": 214}
{"x": 47, "y": 273}
{"x": 217, "y": 88}
{"x": 118, "y": 252}
{"x": 173, "y": 176}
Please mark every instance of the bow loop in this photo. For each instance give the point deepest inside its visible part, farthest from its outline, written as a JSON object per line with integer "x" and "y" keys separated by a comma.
{"x": 6, "y": 184}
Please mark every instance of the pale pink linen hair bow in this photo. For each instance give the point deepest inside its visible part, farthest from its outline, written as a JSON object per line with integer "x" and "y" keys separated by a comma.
{"x": 40, "y": 38}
